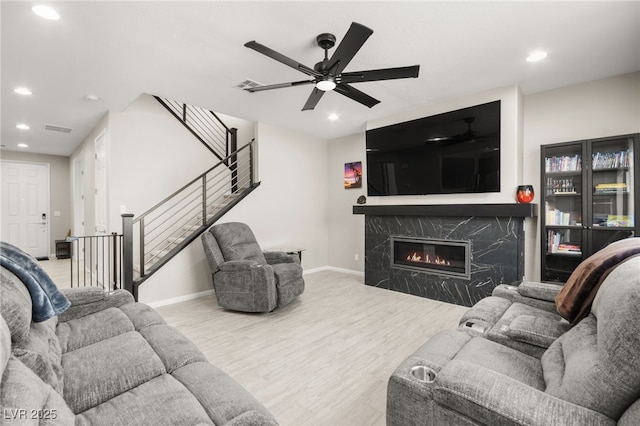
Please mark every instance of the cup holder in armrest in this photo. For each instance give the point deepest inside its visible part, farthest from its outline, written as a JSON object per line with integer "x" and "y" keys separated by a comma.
{"x": 475, "y": 326}
{"x": 423, "y": 373}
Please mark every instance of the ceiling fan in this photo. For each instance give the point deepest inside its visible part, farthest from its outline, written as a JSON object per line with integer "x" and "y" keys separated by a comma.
{"x": 328, "y": 74}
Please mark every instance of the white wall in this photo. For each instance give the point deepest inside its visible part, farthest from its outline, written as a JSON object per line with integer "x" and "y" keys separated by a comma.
{"x": 346, "y": 230}
{"x": 288, "y": 209}
{"x": 595, "y": 109}
{"x": 151, "y": 155}
{"x": 59, "y": 191}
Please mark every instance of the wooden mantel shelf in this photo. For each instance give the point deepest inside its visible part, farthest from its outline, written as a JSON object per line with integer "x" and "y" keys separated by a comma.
{"x": 458, "y": 210}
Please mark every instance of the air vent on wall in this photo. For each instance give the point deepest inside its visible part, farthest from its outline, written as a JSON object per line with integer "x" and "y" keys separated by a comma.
{"x": 249, "y": 84}
{"x": 57, "y": 128}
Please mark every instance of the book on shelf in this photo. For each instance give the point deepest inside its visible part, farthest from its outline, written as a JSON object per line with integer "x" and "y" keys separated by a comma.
{"x": 610, "y": 188}
{"x": 614, "y": 220}
{"x": 563, "y": 163}
{"x": 610, "y": 160}
{"x": 557, "y": 217}
{"x": 557, "y": 242}
{"x": 569, "y": 247}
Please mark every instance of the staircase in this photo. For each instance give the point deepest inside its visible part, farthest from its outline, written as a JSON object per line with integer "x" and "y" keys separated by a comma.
{"x": 154, "y": 237}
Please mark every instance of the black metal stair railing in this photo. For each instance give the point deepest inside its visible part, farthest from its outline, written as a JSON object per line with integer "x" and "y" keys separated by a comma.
{"x": 205, "y": 125}
{"x": 156, "y": 236}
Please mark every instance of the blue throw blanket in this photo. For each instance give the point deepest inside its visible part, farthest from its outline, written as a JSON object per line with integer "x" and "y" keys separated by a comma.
{"x": 46, "y": 298}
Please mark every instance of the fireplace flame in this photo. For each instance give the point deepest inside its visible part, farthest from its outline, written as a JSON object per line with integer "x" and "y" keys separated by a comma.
{"x": 415, "y": 257}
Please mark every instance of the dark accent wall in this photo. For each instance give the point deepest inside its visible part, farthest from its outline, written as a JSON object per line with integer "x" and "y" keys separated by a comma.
{"x": 497, "y": 254}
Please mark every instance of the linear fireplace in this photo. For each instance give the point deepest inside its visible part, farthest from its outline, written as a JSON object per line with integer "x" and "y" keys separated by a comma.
{"x": 440, "y": 257}
{"x": 495, "y": 236}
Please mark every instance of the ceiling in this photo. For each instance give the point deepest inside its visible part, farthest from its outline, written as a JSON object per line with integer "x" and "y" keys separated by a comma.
{"x": 193, "y": 52}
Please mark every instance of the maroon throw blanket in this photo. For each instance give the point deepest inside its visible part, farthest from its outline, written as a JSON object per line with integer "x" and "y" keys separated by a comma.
{"x": 574, "y": 300}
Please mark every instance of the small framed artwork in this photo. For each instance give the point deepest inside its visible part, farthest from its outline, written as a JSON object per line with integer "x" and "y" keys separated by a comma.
{"x": 353, "y": 175}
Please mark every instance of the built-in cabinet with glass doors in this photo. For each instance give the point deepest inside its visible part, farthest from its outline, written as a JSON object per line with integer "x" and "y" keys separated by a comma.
{"x": 590, "y": 199}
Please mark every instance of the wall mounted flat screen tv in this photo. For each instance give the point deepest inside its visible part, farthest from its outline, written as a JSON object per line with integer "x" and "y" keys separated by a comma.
{"x": 456, "y": 152}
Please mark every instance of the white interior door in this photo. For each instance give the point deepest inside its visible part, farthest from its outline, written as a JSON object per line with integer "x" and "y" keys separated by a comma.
{"x": 25, "y": 206}
{"x": 101, "y": 261}
{"x": 78, "y": 194}
{"x": 101, "y": 184}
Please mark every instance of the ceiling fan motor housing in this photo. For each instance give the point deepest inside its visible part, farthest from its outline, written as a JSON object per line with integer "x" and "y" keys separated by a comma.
{"x": 326, "y": 40}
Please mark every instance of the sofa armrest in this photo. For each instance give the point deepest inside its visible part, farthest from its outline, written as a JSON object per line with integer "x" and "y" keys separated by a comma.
{"x": 89, "y": 300}
{"x": 478, "y": 393}
{"x": 239, "y": 265}
{"x": 538, "y": 290}
{"x": 538, "y": 295}
{"x": 537, "y": 330}
{"x": 275, "y": 257}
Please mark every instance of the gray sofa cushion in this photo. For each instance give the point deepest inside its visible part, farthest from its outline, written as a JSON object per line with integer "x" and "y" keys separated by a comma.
{"x": 24, "y": 397}
{"x": 212, "y": 252}
{"x": 85, "y": 331}
{"x": 225, "y": 402}
{"x": 536, "y": 330}
{"x": 34, "y": 344}
{"x": 99, "y": 372}
{"x": 596, "y": 365}
{"x": 517, "y": 365}
{"x": 237, "y": 242}
{"x": 89, "y": 300}
{"x": 158, "y": 397}
{"x": 41, "y": 352}
{"x": 15, "y": 305}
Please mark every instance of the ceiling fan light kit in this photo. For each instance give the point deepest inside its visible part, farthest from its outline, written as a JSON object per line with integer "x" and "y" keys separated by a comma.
{"x": 327, "y": 75}
{"x": 326, "y": 85}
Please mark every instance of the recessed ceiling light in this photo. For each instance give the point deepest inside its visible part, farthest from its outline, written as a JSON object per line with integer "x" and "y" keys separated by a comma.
{"x": 22, "y": 126}
{"x": 536, "y": 56}
{"x": 22, "y": 91}
{"x": 333, "y": 116}
{"x": 92, "y": 98}
{"x": 23, "y": 145}
{"x": 46, "y": 12}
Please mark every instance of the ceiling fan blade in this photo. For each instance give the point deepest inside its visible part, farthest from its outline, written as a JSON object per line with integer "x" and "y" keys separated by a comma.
{"x": 348, "y": 47}
{"x": 313, "y": 100}
{"x": 358, "y": 96}
{"x": 281, "y": 58}
{"x": 381, "y": 74}
{"x": 279, "y": 86}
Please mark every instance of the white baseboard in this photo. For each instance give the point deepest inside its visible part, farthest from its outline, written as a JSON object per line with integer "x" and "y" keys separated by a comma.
{"x": 335, "y": 269}
{"x": 198, "y": 295}
{"x": 179, "y": 299}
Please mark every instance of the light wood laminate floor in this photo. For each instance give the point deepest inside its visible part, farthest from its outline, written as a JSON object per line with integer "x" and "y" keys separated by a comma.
{"x": 323, "y": 360}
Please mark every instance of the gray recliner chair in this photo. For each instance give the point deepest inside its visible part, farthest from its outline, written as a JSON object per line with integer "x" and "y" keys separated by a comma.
{"x": 530, "y": 316}
{"x": 590, "y": 375}
{"x": 244, "y": 277}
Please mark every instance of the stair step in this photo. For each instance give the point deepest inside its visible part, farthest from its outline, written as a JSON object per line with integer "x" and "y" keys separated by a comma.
{"x": 176, "y": 240}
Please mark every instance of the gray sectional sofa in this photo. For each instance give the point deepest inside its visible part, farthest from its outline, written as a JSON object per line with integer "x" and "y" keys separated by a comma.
{"x": 108, "y": 361}
{"x": 571, "y": 373}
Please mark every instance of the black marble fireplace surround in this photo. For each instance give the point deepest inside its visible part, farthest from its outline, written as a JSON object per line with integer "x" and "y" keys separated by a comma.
{"x": 495, "y": 233}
